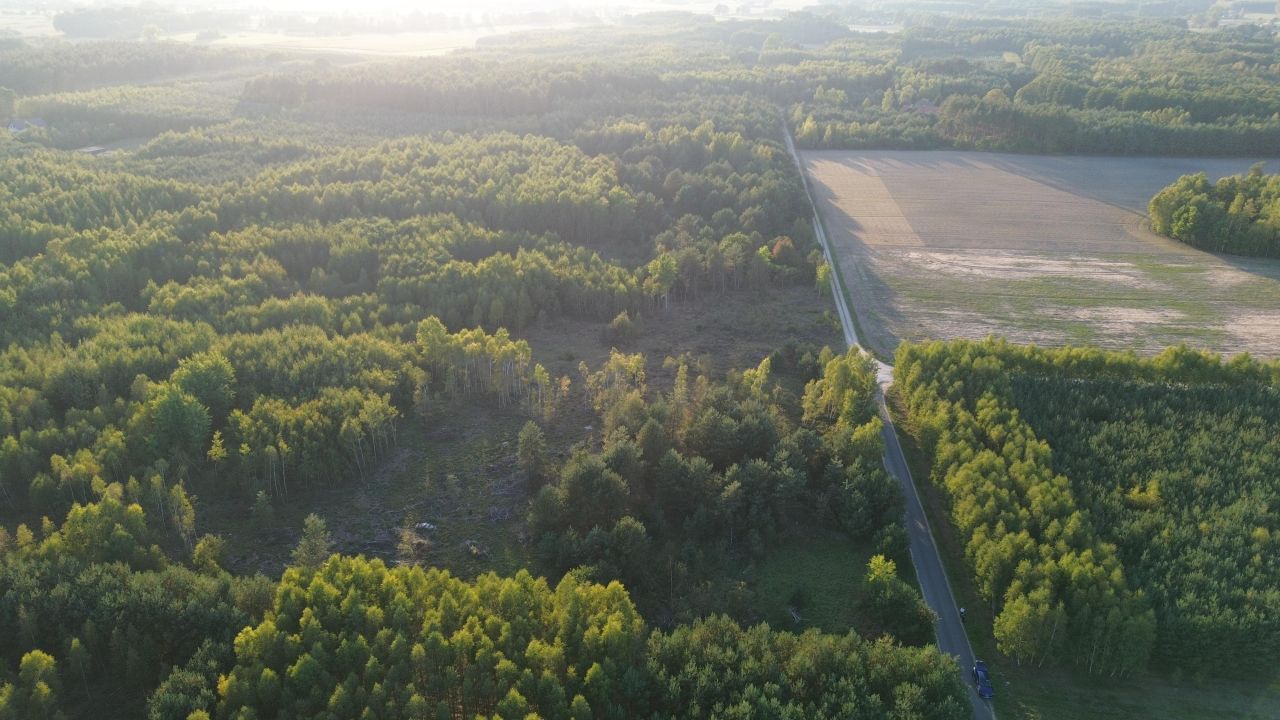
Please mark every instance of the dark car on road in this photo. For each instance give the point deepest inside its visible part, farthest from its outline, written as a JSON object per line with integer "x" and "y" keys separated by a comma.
{"x": 982, "y": 681}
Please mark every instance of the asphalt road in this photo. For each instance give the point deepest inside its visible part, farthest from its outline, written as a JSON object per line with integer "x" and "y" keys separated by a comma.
{"x": 930, "y": 572}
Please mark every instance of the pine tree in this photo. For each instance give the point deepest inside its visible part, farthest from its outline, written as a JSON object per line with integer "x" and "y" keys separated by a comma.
{"x": 531, "y": 451}
{"x": 314, "y": 547}
{"x": 80, "y": 662}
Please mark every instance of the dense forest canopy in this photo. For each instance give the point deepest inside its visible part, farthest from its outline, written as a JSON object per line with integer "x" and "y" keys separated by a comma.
{"x": 1194, "y": 466}
{"x": 246, "y": 304}
{"x": 1156, "y": 472}
{"x": 309, "y": 282}
{"x": 91, "y": 613}
{"x": 345, "y": 637}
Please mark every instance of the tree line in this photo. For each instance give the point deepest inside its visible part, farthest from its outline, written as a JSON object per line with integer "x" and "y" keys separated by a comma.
{"x": 57, "y": 66}
{"x": 1057, "y": 590}
{"x": 1054, "y": 86}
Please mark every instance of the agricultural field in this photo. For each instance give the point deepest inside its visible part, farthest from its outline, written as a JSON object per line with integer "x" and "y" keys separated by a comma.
{"x": 1046, "y": 250}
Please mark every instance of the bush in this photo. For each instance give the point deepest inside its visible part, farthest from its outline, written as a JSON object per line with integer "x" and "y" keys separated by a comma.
{"x": 622, "y": 330}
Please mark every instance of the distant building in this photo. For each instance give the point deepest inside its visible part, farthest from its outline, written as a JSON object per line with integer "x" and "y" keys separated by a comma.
{"x": 94, "y": 150}
{"x": 18, "y": 125}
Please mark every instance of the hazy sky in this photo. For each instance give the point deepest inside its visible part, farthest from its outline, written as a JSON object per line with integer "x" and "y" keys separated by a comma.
{"x": 448, "y": 7}
{"x": 34, "y": 18}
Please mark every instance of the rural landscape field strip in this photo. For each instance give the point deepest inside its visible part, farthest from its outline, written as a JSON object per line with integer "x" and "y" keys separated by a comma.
{"x": 1037, "y": 249}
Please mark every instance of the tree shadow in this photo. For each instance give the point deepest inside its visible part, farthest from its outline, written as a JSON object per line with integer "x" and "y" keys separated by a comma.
{"x": 874, "y": 304}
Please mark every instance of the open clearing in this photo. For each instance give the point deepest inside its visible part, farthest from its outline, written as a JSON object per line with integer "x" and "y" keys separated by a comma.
{"x": 1046, "y": 250}
{"x": 462, "y": 477}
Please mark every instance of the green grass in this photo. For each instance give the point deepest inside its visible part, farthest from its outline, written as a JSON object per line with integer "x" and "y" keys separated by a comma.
{"x": 1039, "y": 309}
{"x": 827, "y": 569}
{"x": 1026, "y": 693}
{"x": 1056, "y": 694}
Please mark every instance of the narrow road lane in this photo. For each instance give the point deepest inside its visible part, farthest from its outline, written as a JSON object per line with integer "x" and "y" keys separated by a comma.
{"x": 924, "y": 552}
{"x": 928, "y": 563}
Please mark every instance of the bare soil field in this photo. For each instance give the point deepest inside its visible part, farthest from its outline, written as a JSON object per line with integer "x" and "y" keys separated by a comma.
{"x": 1046, "y": 250}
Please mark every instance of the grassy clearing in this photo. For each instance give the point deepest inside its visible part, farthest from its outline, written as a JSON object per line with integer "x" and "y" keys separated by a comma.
{"x": 733, "y": 330}
{"x": 1025, "y": 693}
{"x": 823, "y": 572}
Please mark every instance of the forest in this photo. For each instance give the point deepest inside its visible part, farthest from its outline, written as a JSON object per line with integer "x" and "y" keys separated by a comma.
{"x": 295, "y": 298}
{"x": 1135, "y": 87}
{"x": 1052, "y": 86}
{"x": 241, "y": 285}
{"x": 96, "y": 615}
{"x": 241, "y": 307}
{"x": 707, "y": 477}
{"x": 687, "y": 483}
{"x": 1239, "y": 215}
{"x": 1115, "y": 509}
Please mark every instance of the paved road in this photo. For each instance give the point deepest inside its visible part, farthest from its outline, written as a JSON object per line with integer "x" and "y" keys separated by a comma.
{"x": 924, "y": 552}
{"x": 929, "y": 570}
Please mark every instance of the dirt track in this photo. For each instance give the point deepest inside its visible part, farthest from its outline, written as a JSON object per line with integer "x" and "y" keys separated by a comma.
{"x": 1037, "y": 249}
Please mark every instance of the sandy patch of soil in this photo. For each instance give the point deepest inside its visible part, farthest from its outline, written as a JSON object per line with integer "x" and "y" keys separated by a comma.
{"x": 1260, "y": 330}
{"x": 1006, "y": 265}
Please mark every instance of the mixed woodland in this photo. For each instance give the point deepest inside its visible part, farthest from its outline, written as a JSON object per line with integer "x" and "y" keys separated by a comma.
{"x": 244, "y": 304}
{"x": 266, "y": 275}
